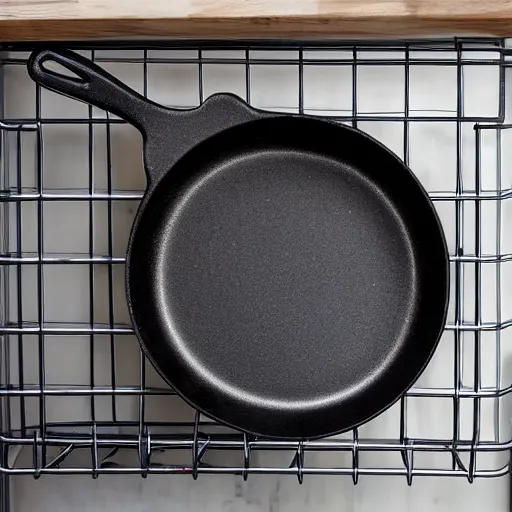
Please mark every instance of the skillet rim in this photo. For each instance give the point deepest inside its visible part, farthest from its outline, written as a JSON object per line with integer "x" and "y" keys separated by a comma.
{"x": 265, "y": 115}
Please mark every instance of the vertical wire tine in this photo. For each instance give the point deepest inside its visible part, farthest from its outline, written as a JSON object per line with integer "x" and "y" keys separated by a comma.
{"x": 459, "y": 270}
{"x": 502, "y": 86}
{"x": 4, "y": 316}
{"x": 19, "y": 282}
{"x": 406, "y": 104}
{"x": 403, "y": 401}
{"x": 247, "y": 76}
{"x": 409, "y": 466}
{"x": 90, "y": 156}
{"x": 5, "y": 415}
{"x": 95, "y": 457}
{"x": 5, "y": 498}
{"x": 300, "y": 462}
{"x": 472, "y": 469}
{"x": 354, "y": 87}
{"x": 478, "y": 310}
{"x": 145, "y": 74}
{"x": 406, "y": 454}
{"x": 37, "y": 455}
{"x": 144, "y": 452}
{"x": 142, "y": 396}
{"x": 5, "y": 406}
{"x": 200, "y": 75}
{"x": 142, "y": 389}
{"x": 355, "y": 456}
{"x": 301, "y": 81}
{"x": 40, "y": 272}
{"x": 110, "y": 270}
{"x": 498, "y": 288}
{"x": 195, "y": 446}
{"x": 403, "y": 431}
{"x": 247, "y": 457}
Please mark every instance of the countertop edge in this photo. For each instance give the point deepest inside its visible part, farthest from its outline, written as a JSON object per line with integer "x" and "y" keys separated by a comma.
{"x": 257, "y": 27}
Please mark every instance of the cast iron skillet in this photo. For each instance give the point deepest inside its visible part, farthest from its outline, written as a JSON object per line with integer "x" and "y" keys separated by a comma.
{"x": 287, "y": 276}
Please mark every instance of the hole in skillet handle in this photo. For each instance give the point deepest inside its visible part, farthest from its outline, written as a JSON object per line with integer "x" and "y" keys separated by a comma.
{"x": 62, "y": 71}
{"x": 74, "y": 83}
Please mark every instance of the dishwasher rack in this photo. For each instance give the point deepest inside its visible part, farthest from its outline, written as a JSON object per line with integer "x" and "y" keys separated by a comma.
{"x": 76, "y": 393}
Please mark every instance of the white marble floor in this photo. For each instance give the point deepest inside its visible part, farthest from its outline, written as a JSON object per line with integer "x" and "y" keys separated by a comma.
{"x": 258, "y": 494}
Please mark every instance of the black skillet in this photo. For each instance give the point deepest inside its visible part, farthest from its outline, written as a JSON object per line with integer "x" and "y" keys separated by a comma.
{"x": 286, "y": 275}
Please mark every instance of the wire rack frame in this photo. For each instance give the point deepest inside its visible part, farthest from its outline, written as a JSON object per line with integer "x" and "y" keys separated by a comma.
{"x": 138, "y": 444}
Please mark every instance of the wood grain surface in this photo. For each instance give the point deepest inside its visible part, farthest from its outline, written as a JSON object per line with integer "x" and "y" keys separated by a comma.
{"x": 85, "y": 19}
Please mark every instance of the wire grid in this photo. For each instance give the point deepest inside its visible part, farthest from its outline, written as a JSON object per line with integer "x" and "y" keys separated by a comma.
{"x": 468, "y": 433}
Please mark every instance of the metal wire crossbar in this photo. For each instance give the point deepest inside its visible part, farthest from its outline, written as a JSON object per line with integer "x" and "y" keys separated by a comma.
{"x": 77, "y": 395}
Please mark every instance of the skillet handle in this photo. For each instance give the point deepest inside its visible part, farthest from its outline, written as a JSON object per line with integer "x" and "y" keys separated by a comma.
{"x": 93, "y": 85}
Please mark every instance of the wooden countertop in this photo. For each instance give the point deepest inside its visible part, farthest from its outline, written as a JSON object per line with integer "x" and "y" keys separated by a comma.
{"x": 84, "y": 19}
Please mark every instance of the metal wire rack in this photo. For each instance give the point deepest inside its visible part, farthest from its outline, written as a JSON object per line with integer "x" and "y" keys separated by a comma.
{"x": 77, "y": 395}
